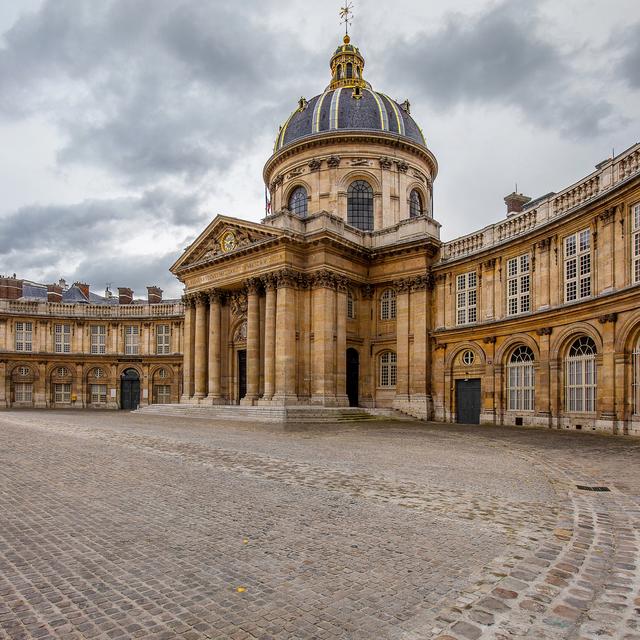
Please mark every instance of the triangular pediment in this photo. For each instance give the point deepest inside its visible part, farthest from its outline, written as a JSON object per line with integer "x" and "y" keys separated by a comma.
{"x": 224, "y": 236}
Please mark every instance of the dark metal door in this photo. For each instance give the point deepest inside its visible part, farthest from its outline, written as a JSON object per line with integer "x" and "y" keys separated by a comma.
{"x": 468, "y": 401}
{"x": 353, "y": 374}
{"x": 130, "y": 390}
{"x": 242, "y": 374}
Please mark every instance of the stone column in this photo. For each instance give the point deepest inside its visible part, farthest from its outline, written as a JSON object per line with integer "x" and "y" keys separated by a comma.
{"x": 285, "y": 391}
{"x": 253, "y": 341}
{"x": 488, "y": 290}
{"x": 402, "y": 343}
{"x": 418, "y": 384}
{"x": 323, "y": 389}
{"x": 606, "y": 249}
{"x": 3, "y": 382}
{"x": 40, "y": 386}
{"x": 270, "y": 285}
{"x": 540, "y": 294}
{"x": 606, "y": 379}
{"x": 364, "y": 314}
{"x": 200, "y": 348}
{"x": 488, "y": 383}
{"x": 342, "y": 399}
{"x": 214, "y": 348}
{"x": 187, "y": 364}
{"x": 542, "y": 398}
{"x": 441, "y": 300}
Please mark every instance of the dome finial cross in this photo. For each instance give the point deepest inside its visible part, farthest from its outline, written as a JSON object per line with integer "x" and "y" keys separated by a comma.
{"x": 346, "y": 17}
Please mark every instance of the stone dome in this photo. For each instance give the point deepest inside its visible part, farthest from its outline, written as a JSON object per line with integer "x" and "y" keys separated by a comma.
{"x": 348, "y": 104}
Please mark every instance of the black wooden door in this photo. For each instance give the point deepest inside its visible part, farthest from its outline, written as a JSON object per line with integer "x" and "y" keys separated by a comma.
{"x": 468, "y": 401}
{"x": 130, "y": 390}
{"x": 353, "y": 374}
{"x": 242, "y": 374}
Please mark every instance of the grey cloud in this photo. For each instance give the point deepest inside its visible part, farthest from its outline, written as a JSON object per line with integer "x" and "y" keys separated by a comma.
{"x": 499, "y": 57}
{"x": 629, "y": 66}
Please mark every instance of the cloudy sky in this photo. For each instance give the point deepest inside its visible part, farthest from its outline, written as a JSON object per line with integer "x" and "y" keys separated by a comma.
{"x": 126, "y": 125}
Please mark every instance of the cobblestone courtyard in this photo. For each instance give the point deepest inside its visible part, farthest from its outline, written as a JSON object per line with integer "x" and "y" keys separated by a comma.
{"x": 118, "y": 525}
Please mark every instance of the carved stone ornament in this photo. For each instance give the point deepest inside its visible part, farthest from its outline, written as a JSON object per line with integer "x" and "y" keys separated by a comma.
{"x": 287, "y": 278}
{"x": 238, "y": 303}
{"x": 342, "y": 283}
{"x": 294, "y": 173}
{"x": 278, "y": 180}
{"x": 403, "y": 285}
{"x": 489, "y": 340}
{"x": 544, "y": 331}
{"x": 270, "y": 282}
{"x": 360, "y": 162}
{"x": 253, "y": 285}
{"x": 403, "y": 167}
{"x": 324, "y": 278}
{"x": 417, "y": 174}
{"x": 215, "y": 296}
{"x": 544, "y": 244}
{"x": 240, "y": 334}
{"x": 201, "y": 298}
{"x": 489, "y": 264}
{"x": 333, "y": 162}
{"x": 608, "y": 215}
{"x": 420, "y": 283}
{"x": 366, "y": 291}
{"x": 608, "y": 317}
{"x": 386, "y": 163}
{"x": 315, "y": 164}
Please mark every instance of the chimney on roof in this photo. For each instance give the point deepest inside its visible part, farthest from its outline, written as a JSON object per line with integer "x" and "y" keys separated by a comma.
{"x": 515, "y": 203}
{"x": 84, "y": 287}
{"x": 10, "y": 288}
{"x": 154, "y": 295}
{"x": 125, "y": 295}
{"x": 54, "y": 293}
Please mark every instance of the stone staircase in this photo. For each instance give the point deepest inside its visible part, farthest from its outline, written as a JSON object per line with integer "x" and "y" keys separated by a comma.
{"x": 291, "y": 414}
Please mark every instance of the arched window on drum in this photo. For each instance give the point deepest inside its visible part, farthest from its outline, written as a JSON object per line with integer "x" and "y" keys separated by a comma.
{"x": 298, "y": 202}
{"x": 416, "y": 208}
{"x": 360, "y": 205}
{"x": 521, "y": 388}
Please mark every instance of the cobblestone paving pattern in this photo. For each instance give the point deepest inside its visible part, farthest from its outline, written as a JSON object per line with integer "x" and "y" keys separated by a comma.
{"x": 118, "y": 525}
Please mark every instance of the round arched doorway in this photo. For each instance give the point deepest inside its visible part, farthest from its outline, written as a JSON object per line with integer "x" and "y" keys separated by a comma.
{"x": 129, "y": 389}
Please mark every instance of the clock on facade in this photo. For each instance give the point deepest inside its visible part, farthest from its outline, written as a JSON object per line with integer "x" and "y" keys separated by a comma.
{"x": 228, "y": 241}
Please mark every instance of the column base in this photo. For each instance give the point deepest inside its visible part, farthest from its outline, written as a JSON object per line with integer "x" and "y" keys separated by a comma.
{"x": 187, "y": 399}
{"x": 213, "y": 400}
{"x": 329, "y": 401}
{"x": 282, "y": 399}
{"x": 248, "y": 401}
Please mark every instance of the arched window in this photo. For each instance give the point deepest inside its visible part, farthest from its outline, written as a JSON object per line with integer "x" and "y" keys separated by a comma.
{"x": 636, "y": 379}
{"x": 520, "y": 380}
{"x": 349, "y": 70}
{"x": 360, "y": 205}
{"x": 388, "y": 305}
{"x": 298, "y": 202}
{"x": 351, "y": 305}
{"x": 580, "y": 376}
{"x": 415, "y": 204}
{"x": 339, "y": 72}
{"x": 388, "y": 369}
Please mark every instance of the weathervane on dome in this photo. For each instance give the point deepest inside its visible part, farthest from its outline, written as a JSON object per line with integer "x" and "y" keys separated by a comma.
{"x": 346, "y": 17}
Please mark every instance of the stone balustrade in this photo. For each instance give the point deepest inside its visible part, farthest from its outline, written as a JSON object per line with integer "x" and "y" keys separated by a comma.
{"x": 79, "y": 310}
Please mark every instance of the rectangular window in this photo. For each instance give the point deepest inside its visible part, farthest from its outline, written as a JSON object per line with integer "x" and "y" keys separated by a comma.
{"x": 635, "y": 243}
{"x": 24, "y": 336}
{"x": 98, "y": 393}
{"x": 131, "y": 340}
{"x": 162, "y": 394}
{"x": 163, "y": 336}
{"x": 62, "y": 338}
{"x": 98, "y": 338}
{"x": 467, "y": 298}
{"x": 518, "y": 285}
{"x": 24, "y": 392}
{"x": 62, "y": 392}
{"x": 577, "y": 266}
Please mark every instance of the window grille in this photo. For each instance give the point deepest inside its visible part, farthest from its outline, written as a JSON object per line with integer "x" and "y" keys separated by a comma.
{"x": 62, "y": 372}
{"x": 24, "y": 392}
{"x": 131, "y": 340}
{"x": 518, "y": 285}
{"x": 163, "y": 337}
{"x": 62, "y": 392}
{"x": 577, "y": 266}
{"x": 581, "y": 377}
{"x": 298, "y": 202}
{"x": 521, "y": 380}
{"x": 62, "y": 338}
{"x": 24, "y": 371}
{"x": 162, "y": 394}
{"x": 388, "y": 306}
{"x": 360, "y": 205}
{"x": 635, "y": 243}
{"x": 98, "y": 338}
{"x": 415, "y": 204}
{"x": 467, "y": 297}
{"x": 98, "y": 393}
{"x": 388, "y": 369}
{"x": 24, "y": 336}
{"x": 468, "y": 357}
{"x": 351, "y": 305}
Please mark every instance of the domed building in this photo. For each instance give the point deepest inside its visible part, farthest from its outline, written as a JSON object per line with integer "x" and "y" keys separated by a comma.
{"x": 326, "y": 302}
{"x": 345, "y": 296}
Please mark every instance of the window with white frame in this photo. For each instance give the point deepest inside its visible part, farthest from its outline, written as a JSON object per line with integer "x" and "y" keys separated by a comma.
{"x": 98, "y": 338}
{"x": 351, "y": 305}
{"x": 580, "y": 373}
{"x": 98, "y": 393}
{"x": 24, "y": 371}
{"x": 388, "y": 304}
{"x": 162, "y": 394}
{"x": 467, "y": 297}
{"x": 163, "y": 338}
{"x": 635, "y": 243}
{"x": 24, "y": 336}
{"x": 521, "y": 380}
{"x": 163, "y": 373}
{"x": 62, "y": 372}
{"x": 636, "y": 380}
{"x": 577, "y": 266}
{"x": 62, "y": 338}
{"x": 98, "y": 372}
{"x": 518, "y": 285}
{"x": 131, "y": 340}
{"x": 388, "y": 369}
{"x": 23, "y": 392}
{"x": 62, "y": 392}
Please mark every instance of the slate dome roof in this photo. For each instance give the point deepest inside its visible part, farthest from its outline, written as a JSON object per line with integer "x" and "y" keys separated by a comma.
{"x": 348, "y": 104}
